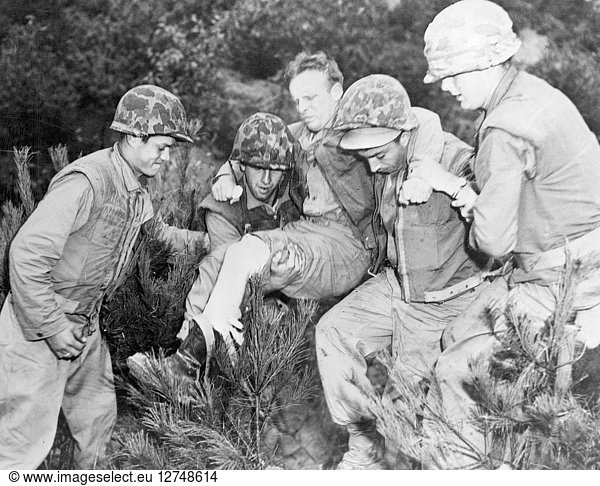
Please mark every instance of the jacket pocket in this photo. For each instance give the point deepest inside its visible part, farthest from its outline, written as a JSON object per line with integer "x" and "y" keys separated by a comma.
{"x": 110, "y": 225}
{"x": 421, "y": 247}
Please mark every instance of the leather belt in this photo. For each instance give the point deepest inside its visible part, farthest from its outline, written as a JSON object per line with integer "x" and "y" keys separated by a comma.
{"x": 456, "y": 289}
{"x": 557, "y": 256}
{"x": 468, "y": 284}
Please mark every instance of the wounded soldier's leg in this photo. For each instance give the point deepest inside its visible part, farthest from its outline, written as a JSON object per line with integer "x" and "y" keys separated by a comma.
{"x": 197, "y": 297}
{"x": 212, "y": 303}
{"x": 196, "y": 333}
{"x": 247, "y": 257}
{"x": 333, "y": 263}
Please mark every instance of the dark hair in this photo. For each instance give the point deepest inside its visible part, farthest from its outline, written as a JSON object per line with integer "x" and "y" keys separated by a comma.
{"x": 122, "y": 137}
{"x": 314, "y": 62}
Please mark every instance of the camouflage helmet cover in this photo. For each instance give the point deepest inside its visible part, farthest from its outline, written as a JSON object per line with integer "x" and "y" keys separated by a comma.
{"x": 263, "y": 140}
{"x": 373, "y": 112}
{"x": 469, "y": 35}
{"x": 149, "y": 110}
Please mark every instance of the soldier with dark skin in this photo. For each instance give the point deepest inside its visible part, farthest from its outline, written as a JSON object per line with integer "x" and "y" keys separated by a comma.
{"x": 427, "y": 275}
{"x": 65, "y": 260}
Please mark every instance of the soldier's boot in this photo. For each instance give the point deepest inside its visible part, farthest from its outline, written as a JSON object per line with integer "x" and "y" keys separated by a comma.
{"x": 364, "y": 448}
{"x": 188, "y": 362}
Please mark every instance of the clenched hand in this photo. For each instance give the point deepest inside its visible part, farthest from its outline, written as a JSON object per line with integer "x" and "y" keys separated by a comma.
{"x": 68, "y": 343}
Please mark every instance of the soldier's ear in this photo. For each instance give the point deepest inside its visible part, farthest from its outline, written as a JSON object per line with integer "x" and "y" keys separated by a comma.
{"x": 337, "y": 91}
{"x": 133, "y": 141}
{"x": 404, "y": 139}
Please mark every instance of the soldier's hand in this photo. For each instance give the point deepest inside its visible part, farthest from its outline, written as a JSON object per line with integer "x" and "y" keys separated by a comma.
{"x": 414, "y": 191}
{"x": 230, "y": 329}
{"x": 287, "y": 266}
{"x": 67, "y": 344}
{"x": 465, "y": 200}
{"x": 434, "y": 174}
{"x": 224, "y": 188}
{"x": 226, "y": 324}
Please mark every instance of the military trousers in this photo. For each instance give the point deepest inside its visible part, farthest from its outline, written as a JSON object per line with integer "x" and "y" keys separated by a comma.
{"x": 336, "y": 261}
{"x": 35, "y": 385}
{"x": 372, "y": 317}
{"x": 470, "y": 339}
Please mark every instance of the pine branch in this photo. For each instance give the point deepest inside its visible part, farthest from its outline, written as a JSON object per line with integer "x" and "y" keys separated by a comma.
{"x": 222, "y": 422}
{"x": 138, "y": 451}
{"x": 59, "y": 156}
{"x": 22, "y": 159}
{"x": 12, "y": 219}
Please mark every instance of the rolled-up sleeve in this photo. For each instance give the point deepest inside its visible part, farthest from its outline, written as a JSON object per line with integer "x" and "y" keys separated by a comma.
{"x": 37, "y": 247}
{"x": 181, "y": 240}
{"x": 499, "y": 171}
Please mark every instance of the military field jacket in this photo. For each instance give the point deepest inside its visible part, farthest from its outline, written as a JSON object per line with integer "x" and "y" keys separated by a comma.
{"x": 76, "y": 245}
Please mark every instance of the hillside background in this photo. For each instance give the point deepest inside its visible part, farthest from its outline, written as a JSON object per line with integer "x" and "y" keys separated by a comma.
{"x": 65, "y": 63}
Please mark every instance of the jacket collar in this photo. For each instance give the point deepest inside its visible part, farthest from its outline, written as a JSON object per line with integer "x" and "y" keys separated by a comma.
{"x": 498, "y": 94}
{"x": 495, "y": 97}
{"x": 132, "y": 183}
{"x": 306, "y": 138}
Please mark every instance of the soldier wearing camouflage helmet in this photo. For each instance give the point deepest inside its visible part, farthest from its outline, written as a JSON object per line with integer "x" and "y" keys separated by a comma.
{"x": 150, "y": 110}
{"x": 335, "y": 192}
{"x": 65, "y": 260}
{"x": 426, "y": 277}
{"x": 264, "y": 148}
{"x": 537, "y": 177}
{"x": 470, "y": 35}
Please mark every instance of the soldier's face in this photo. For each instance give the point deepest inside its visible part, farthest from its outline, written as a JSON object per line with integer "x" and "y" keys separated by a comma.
{"x": 262, "y": 183}
{"x": 315, "y": 98}
{"x": 148, "y": 156}
{"x": 388, "y": 158}
{"x": 470, "y": 89}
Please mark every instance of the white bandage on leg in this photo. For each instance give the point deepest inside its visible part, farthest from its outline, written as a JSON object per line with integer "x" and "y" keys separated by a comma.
{"x": 248, "y": 256}
{"x": 589, "y": 330}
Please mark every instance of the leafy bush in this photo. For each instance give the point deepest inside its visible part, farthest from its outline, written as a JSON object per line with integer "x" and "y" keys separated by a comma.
{"x": 64, "y": 71}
